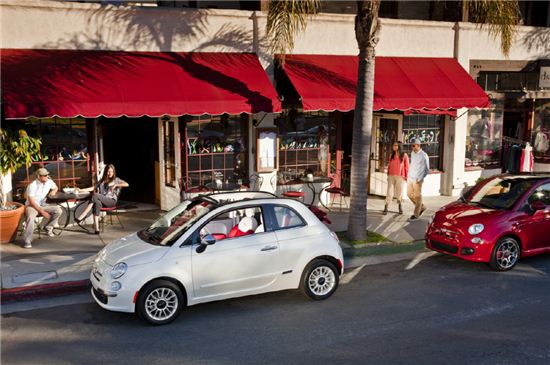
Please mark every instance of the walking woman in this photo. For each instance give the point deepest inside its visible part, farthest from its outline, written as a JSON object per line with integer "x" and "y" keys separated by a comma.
{"x": 105, "y": 194}
{"x": 398, "y": 170}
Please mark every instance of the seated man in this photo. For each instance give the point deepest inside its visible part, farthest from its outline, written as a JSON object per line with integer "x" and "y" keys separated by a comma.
{"x": 37, "y": 191}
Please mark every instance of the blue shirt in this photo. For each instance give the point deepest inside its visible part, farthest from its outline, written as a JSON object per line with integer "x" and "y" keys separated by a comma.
{"x": 419, "y": 166}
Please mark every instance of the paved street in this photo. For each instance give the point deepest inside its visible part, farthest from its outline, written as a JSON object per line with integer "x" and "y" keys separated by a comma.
{"x": 440, "y": 311}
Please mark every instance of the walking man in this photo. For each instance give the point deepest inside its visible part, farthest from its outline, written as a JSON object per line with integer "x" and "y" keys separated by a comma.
{"x": 37, "y": 191}
{"x": 418, "y": 170}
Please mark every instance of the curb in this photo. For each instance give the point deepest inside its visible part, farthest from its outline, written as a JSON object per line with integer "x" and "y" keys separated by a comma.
{"x": 34, "y": 292}
{"x": 27, "y": 293}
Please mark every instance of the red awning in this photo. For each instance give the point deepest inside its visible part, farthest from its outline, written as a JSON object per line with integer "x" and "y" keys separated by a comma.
{"x": 328, "y": 83}
{"x": 69, "y": 83}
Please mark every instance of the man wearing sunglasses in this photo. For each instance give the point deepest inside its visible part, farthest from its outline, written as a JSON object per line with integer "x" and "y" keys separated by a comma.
{"x": 419, "y": 168}
{"x": 37, "y": 192}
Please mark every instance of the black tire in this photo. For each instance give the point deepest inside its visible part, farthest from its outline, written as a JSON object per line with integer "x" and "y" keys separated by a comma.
{"x": 506, "y": 254}
{"x": 160, "y": 302}
{"x": 319, "y": 280}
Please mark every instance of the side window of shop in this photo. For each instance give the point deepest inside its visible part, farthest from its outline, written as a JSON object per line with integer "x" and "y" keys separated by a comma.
{"x": 429, "y": 129}
{"x": 169, "y": 153}
{"x": 541, "y": 194}
{"x": 305, "y": 144}
{"x": 286, "y": 217}
{"x": 540, "y": 137}
{"x": 215, "y": 150}
{"x": 484, "y": 136}
{"x": 64, "y": 153}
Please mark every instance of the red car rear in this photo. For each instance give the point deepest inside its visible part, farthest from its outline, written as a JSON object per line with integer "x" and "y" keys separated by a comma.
{"x": 498, "y": 221}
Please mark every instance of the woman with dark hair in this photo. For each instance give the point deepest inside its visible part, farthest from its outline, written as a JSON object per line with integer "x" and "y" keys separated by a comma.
{"x": 398, "y": 170}
{"x": 105, "y": 194}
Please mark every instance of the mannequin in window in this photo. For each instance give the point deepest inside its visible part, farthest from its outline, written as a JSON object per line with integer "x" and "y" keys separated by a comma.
{"x": 322, "y": 137}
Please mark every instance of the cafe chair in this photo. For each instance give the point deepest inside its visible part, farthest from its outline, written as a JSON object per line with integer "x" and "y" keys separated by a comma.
{"x": 338, "y": 192}
{"x": 254, "y": 183}
{"x": 288, "y": 191}
{"x": 109, "y": 212}
{"x": 187, "y": 191}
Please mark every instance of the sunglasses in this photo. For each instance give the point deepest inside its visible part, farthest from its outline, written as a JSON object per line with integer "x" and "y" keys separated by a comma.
{"x": 44, "y": 175}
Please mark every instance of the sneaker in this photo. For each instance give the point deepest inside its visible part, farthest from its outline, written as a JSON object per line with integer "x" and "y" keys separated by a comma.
{"x": 28, "y": 244}
{"x": 49, "y": 232}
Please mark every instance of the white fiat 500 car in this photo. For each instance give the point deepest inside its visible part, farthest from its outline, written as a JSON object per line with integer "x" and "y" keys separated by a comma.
{"x": 215, "y": 247}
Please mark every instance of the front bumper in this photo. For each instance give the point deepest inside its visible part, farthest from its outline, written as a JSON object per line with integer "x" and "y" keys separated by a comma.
{"x": 119, "y": 301}
{"x": 455, "y": 243}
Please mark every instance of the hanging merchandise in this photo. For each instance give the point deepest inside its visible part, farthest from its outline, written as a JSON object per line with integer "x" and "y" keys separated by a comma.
{"x": 526, "y": 164}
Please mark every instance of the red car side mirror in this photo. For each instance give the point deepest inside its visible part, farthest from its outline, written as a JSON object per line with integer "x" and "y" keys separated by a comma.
{"x": 538, "y": 205}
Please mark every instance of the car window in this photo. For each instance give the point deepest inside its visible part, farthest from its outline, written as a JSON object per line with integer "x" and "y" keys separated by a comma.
{"x": 541, "y": 194}
{"x": 235, "y": 223}
{"x": 287, "y": 218}
{"x": 501, "y": 193}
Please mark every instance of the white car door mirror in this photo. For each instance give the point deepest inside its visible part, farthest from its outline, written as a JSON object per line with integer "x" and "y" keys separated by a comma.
{"x": 205, "y": 242}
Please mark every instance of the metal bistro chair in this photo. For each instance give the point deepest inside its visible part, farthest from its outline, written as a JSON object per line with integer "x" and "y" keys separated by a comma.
{"x": 186, "y": 188}
{"x": 109, "y": 212}
{"x": 287, "y": 190}
{"x": 255, "y": 182}
{"x": 339, "y": 192}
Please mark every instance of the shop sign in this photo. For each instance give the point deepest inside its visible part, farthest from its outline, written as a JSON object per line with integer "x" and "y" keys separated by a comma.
{"x": 544, "y": 79}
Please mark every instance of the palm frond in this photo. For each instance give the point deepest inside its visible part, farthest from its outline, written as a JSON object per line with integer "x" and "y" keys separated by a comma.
{"x": 286, "y": 18}
{"x": 501, "y": 17}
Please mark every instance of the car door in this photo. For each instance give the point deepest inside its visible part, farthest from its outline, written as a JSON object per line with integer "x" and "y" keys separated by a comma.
{"x": 236, "y": 266}
{"x": 538, "y": 228}
{"x": 293, "y": 234}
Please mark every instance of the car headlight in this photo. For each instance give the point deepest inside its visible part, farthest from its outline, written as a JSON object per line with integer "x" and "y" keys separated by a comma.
{"x": 118, "y": 270}
{"x": 476, "y": 229}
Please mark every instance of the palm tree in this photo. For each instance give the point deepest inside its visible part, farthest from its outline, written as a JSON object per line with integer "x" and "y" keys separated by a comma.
{"x": 285, "y": 18}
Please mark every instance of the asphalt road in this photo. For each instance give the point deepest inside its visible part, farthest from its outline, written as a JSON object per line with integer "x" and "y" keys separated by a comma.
{"x": 440, "y": 311}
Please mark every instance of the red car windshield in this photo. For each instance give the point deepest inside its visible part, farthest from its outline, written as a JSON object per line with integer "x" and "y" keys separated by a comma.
{"x": 500, "y": 193}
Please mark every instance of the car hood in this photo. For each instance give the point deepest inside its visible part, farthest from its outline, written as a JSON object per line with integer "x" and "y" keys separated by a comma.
{"x": 131, "y": 250}
{"x": 458, "y": 212}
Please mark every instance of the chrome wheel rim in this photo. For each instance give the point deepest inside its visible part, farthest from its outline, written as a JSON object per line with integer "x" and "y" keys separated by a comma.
{"x": 507, "y": 254}
{"x": 321, "y": 280}
{"x": 161, "y": 304}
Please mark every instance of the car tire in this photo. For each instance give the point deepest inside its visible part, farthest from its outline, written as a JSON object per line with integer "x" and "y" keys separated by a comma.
{"x": 319, "y": 280}
{"x": 160, "y": 302}
{"x": 506, "y": 254}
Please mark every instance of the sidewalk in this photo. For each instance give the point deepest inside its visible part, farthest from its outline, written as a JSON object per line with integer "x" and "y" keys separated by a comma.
{"x": 62, "y": 264}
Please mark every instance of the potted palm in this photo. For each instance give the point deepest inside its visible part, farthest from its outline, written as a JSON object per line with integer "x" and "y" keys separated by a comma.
{"x": 16, "y": 150}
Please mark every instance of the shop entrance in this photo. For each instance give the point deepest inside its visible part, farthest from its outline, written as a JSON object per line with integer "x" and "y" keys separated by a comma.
{"x": 131, "y": 144}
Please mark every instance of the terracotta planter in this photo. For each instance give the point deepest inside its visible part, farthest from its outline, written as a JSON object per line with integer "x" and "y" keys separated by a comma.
{"x": 9, "y": 221}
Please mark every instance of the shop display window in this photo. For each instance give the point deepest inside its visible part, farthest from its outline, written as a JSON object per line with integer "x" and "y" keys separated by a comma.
{"x": 484, "y": 136}
{"x": 215, "y": 149}
{"x": 429, "y": 129}
{"x": 64, "y": 152}
{"x": 169, "y": 155}
{"x": 304, "y": 144}
{"x": 540, "y": 136}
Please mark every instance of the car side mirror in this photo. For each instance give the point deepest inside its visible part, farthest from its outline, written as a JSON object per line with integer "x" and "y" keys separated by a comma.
{"x": 205, "y": 242}
{"x": 538, "y": 205}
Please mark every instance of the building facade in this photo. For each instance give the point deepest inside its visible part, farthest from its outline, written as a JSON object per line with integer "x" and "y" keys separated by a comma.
{"x": 165, "y": 152}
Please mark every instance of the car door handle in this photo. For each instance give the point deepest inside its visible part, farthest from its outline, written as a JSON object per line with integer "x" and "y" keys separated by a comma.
{"x": 269, "y": 248}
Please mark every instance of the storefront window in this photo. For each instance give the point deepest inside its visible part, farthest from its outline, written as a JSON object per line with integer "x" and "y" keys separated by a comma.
{"x": 169, "y": 155}
{"x": 484, "y": 136}
{"x": 540, "y": 137}
{"x": 305, "y": 142}
{"x": 64, "y": 152}
{"x": 215, "y": 149}
{"x": 429, "y": 129}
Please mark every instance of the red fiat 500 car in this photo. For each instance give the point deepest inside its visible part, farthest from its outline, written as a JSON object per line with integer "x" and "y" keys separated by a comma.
{"x": 498, "y": 221}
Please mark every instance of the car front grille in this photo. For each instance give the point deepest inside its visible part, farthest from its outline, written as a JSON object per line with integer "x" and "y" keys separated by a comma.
{"x": 444, "y": 247}
{"x": 100, "y": 296}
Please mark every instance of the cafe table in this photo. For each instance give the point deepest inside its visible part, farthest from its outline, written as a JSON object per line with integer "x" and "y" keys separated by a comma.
{"x": 312, "y": 183}
{"x": 226, "y": 186}
{"x": 65, "y": 200}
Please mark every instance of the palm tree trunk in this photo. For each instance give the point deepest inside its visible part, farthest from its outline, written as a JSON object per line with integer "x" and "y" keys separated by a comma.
{"x": 366, "y": 31}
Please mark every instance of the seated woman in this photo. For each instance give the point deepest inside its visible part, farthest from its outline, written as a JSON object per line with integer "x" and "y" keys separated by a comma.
{"x": 105, "y": 194}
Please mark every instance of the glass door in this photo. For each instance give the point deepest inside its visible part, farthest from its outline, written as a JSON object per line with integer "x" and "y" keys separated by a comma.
{"x": 387, "y": 128}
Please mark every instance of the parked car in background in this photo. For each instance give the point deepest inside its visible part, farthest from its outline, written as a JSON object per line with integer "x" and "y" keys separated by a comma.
{"x": 498, "y": 221}
{"x": 216, "y": 247}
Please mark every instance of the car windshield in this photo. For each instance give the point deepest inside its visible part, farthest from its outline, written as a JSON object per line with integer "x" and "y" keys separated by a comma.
{"x": 168, "y": 228}
{"x": 500, "y": 193}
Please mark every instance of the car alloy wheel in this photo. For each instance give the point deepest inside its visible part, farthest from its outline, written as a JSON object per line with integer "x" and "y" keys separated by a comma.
{"x": 505, "y": 254}
{"x": 320, "y": 279}
{"x": 160, "y": 302}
